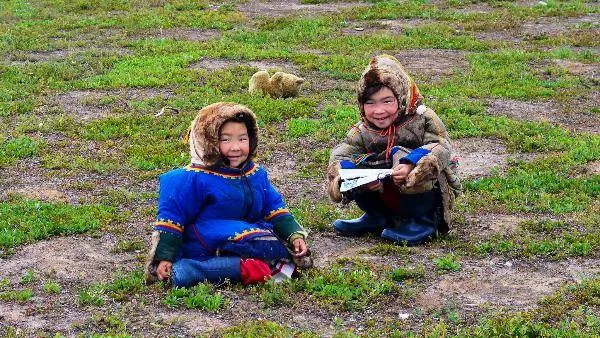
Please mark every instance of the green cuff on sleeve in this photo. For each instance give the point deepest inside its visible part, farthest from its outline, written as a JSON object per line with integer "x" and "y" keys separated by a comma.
{"x": 168, "y": 247}
{"x": 297, "y": 235}
{"x": 286, "y": 226}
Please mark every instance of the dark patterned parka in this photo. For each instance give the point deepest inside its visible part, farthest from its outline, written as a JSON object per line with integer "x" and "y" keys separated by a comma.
{"x": 417, "y": 135}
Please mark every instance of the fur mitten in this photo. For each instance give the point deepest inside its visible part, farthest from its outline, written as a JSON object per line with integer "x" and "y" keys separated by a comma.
{"x": 149, "y": 269}
{"x": 421, "y": 178}
{"x": 334, "y": 179}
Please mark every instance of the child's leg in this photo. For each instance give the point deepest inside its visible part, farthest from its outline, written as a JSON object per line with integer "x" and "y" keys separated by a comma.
{"x": 419, "y": 221}
{"x": 375, "y": 219}
{"x": 189, "y": 272}
{"x": 266, "y": 248}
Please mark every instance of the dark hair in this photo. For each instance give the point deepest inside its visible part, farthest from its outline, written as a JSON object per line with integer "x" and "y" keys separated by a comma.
{"x": 370, "y": 90}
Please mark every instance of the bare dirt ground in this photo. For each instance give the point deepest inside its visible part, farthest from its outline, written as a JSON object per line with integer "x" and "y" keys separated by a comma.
{"x": 90, "y": 105}
{"x": 481, "y": 284}
{"x": 257, "y": 8}
{"x": 212, "y": 64}
{"x": 577, "y": 120}
{"x": 181, "y": 34}
{"x": 478, "y": 157}
{"x": 433, "y": 64}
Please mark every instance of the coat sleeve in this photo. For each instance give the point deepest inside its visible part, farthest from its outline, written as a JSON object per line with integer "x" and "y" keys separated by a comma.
{"x": 179, "y": 201}
{"x": 351, "y": 150}
{"x": 436, "y": 144}
{"x": 345, "y": 155}
{"x": 276, "y": 213}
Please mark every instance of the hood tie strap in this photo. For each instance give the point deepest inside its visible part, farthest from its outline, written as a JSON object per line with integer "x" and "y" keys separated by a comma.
{"x": 390, "y": 132}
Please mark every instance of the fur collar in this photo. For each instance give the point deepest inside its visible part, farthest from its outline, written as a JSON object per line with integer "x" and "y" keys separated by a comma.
{"x": 204, "y": 132}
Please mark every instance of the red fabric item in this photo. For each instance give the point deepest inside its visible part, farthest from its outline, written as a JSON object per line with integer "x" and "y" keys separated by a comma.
{"x": 254, "y": 271}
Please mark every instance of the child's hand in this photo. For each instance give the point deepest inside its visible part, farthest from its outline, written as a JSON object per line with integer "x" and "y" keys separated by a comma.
{"x": 400, "y": 173}
{"x": 300, "y": 248}
{"x": 163, "y": 271}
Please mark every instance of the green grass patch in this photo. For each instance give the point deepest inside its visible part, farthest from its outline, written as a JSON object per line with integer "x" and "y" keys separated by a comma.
{"x": 128, "y": 245}
{"x": 347, "y": 285}
{"x": 465, "y": 118}
{"x": 263, "y": 328}
{"x": 25, "y": 221}
{"x": 153, "y": 142}
{"x": 52, "y": 287}
{"x": 94, "y": 295}
{"x": 333, "y": 123}
{"x": 20, "y": 296}
{"x": 122, "y": 287}
{"x": 275, "y": 294}
{"x": 126, "y": 285}
{"x": 28, "y": 278}
{"x": 143, "y": 71}
{"x": 392, "y": 10}
{"x": 572, "y": 244}
{"x": 387, "y": 249}
{"x": 315, "y": 216}
{"x": 17, "y": 148}
{"x": 505, "y": 73}
{"x": 547, "y": 226}
{"x": 201, "y": 296}
{"x": 407, "y": 273}
{"x": 541, "y": 185}
{"x": 427, "y": 36}
{"x": 559, "y": 8}
{"x": 447, "y": 262}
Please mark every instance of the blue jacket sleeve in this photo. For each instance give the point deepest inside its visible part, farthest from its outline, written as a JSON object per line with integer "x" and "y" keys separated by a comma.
{"x": 179, "y": 198}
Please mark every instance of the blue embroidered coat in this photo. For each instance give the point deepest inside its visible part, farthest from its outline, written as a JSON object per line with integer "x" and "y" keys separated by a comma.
{"x": 204, "y": 210}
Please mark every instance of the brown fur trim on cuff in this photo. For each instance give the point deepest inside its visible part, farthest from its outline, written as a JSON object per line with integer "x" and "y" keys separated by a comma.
{"x": 427, "y": 170}
{"x": 148, "y": 275}
{"x": 334, "y": 180}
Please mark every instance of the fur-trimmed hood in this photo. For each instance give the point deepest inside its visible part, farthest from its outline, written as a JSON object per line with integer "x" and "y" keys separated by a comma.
{"x": 204, "y": 131}
{"x": 388, "y": 71}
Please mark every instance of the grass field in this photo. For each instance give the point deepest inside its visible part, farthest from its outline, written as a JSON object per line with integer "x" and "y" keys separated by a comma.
{"x": 81, "y": 147}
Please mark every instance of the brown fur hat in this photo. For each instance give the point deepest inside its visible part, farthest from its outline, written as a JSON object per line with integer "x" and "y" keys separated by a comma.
{"x": 204, "y": 131}
{"x": 388, "y": 71}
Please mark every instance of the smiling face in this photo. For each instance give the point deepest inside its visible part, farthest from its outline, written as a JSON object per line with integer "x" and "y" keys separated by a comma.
{"x": 234, "y": 143}
{"x": 381, "y": 108}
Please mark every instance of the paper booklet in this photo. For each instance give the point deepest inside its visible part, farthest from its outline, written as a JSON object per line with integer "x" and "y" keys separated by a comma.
{"x": 354, "y": 178}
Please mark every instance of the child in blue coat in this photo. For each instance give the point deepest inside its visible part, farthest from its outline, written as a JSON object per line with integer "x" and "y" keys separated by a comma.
{"x": 220, "y": 218}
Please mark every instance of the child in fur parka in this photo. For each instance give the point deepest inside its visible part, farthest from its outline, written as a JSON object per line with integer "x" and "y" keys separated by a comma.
{"x": 219, "y": 218}
{"x": 396, "y": 131}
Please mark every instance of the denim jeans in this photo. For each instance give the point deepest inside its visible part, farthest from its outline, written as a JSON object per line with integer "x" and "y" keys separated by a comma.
{"x": 189, "y": 272}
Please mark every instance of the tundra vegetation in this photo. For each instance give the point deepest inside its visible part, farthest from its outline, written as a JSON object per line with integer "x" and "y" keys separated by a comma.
{"x": 82, "y": 145}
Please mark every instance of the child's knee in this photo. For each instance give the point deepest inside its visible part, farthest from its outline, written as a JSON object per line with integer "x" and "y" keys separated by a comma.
{"x": 184, "y": 274}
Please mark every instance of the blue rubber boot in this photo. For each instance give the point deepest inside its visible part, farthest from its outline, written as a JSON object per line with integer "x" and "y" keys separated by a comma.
{"x": 414, "y": 231}
{"x": 189, "y": 272}
{"x": 367, "y": 223}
